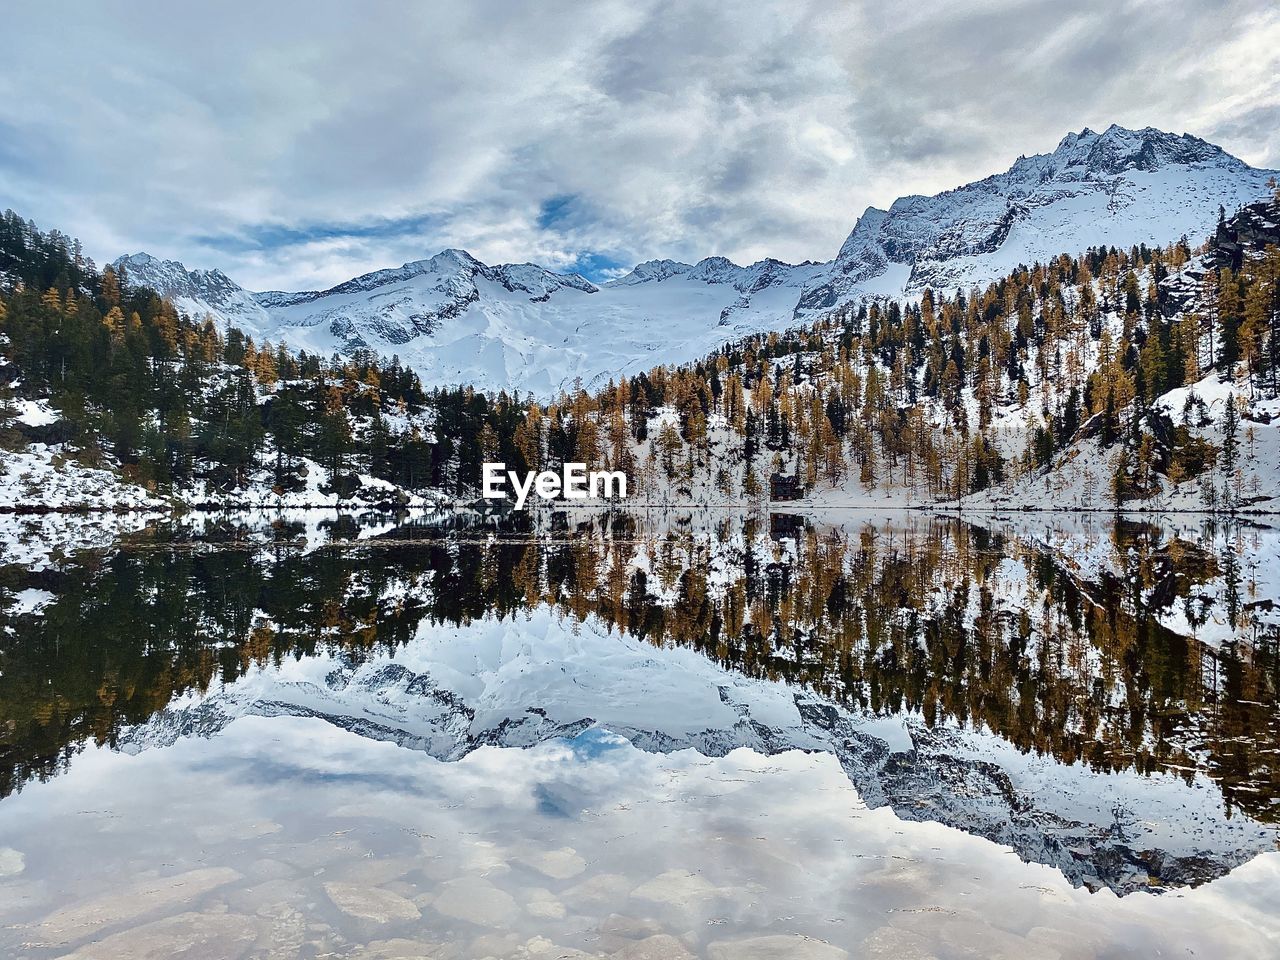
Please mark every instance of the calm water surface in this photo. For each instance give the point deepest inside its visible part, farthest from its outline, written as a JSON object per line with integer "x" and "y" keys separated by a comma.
{"x": 652, "y": 735}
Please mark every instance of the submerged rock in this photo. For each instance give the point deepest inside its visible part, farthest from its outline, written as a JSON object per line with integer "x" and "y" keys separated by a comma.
{"x": 187, "y": 936}
{"x": 774, "y": 948}
{"x": 370, "y": 903}
{"x": 12, "y": 862}
{"x": 561, "y": 864}
{"x": 142, "y": 897}
{"x": 676, "y": 887}
{"x": 660, "y": 947}
{"x": 477, "y": 901}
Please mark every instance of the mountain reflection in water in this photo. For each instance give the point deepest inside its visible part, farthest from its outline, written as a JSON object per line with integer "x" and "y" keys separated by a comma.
{"x": 1037, "y": 682}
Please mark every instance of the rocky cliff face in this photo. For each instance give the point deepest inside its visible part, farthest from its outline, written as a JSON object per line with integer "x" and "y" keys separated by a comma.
{"x": 197, "y": 292}
{"x": 1247, "y": 233}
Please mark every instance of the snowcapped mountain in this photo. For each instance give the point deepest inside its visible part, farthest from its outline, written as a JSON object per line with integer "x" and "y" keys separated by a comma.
{"x": 524, "y": 327}
{"x": 512, "y": 326}
{"x": 1118, "y": 188}
{"x": 196, "y": 292}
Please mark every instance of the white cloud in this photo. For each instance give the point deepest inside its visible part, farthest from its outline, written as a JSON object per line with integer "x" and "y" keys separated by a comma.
{"x": 297, "y": 144}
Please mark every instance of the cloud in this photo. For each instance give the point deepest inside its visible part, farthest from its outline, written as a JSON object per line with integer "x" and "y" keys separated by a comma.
{"x": 297, "y": 145}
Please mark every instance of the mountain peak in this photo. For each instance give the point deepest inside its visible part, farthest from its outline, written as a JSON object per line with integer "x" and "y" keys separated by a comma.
{"x": 1094, "y": 188}
{"x": 1112, "y": 133}
{"x": 196, "y": 292}
{"x": 454, "y": 255}
{"x": 715, "y": 270}
{"x": 652, "y": 271}
{"x": 169, "y": 277}
{"x": 141, "y": 258}
{"x": 143, "y": 268}
{"x": 1118, "y": 149}
{"x": 456, "y": 319}
{"x": 538, "y": 280}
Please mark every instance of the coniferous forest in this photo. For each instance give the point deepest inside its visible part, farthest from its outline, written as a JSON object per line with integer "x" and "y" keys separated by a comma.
{"x": 943, "y": 397}
{"x": 173, "y": 399}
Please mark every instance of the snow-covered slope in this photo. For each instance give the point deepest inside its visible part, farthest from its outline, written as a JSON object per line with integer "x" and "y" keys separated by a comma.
{"x": 521, "y": 326}
{"x": 456, "y": 320}
{"x": 1116, "y": 188}
{"x": 42, "y": 478}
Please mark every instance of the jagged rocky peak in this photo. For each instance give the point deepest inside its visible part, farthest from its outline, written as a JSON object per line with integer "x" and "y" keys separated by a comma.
{"x": 715, "y": 270}
{"x": 539, "y": 281}
{"x": 450, "y": 268}
{"x": 143, "y": 261}
{"x": 163, "y": 276}
{"x": 192, "y": 290}
{"x": 450, "y": 262}
{"x": 1118, "y": 148}
{"x": 1120, "y": 186}
{"x": 652, "y": 271}
{"x": 867, "y": 225}
{"x": 711, "y": 270}
{"x": 169, "y": 277}
{"x": 450, "y": 257}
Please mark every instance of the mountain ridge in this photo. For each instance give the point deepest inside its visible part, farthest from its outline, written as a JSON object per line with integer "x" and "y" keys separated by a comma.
{"x": 455, "y": 319}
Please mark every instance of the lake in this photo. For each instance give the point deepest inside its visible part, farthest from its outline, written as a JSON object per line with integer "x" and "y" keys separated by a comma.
{"x": 660, "y": 734}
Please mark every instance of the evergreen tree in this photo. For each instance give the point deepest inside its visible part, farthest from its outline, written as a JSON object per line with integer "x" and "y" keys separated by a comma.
{"x": 1230, "y": 434}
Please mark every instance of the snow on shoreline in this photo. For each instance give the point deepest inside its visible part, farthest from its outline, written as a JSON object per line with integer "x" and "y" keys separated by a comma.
{"x": 44, "y": 479}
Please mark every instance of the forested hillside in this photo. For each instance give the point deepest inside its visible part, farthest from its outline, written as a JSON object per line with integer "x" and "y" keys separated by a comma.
{"x": 112, "y": 374}
{"x": 1117, "y": 376}
{"x": 1144, "y": 376}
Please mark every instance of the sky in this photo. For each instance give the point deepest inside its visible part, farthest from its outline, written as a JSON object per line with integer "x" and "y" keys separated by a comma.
{"x": 295, "y": 145}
